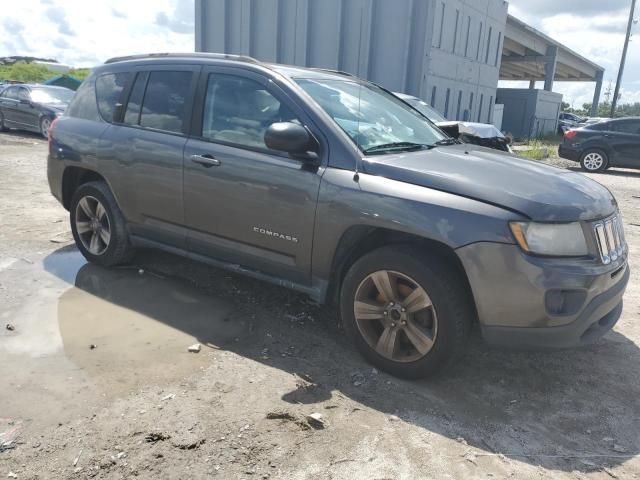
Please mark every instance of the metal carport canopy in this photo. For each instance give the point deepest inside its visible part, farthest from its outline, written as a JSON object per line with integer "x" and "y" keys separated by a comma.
{"x": 528, "y": 54}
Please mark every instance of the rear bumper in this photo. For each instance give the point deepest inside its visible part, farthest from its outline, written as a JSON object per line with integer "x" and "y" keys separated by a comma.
{"x": 568, "y": 153}
{"x": 534, "y": 302}
{"x": 54, "y": 176}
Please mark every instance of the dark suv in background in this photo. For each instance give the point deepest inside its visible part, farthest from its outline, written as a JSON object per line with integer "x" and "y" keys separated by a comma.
{"x": 599, "y": 146}
{"x": 332, "y": 186}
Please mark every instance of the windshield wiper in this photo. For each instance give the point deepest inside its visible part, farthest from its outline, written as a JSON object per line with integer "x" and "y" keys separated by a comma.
{"x": 396, "y": 146}
{"x": 444, "y": 142}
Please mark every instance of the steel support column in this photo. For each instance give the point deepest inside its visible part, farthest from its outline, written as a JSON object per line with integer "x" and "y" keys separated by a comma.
{"x": 550, "y": 67}
{"x": 596, "y": 94}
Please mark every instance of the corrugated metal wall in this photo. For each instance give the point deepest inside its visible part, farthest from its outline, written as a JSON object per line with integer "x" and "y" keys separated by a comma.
{"x": 446, "y": 52}
{"x": 386, "y": 41}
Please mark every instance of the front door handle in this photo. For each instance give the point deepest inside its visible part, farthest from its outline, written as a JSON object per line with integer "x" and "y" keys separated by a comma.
{"x": 206, "y": 160}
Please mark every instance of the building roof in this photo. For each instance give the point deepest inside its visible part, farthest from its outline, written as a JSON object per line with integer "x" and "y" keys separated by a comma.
{"x": 526, "y": 51}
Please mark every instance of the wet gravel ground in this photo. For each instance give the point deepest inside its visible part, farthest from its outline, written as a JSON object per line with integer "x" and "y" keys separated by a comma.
{"x": 97, "y": 381}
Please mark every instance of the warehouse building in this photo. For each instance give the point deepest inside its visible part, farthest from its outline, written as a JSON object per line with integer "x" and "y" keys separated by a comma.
{"x": 450, "y": 53}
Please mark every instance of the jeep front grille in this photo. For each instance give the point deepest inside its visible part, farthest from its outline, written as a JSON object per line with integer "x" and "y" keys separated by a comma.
{"x": 610, "y": 238}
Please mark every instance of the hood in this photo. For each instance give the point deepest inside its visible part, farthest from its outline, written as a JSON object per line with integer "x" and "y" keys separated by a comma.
{"x": 540, "y": 192}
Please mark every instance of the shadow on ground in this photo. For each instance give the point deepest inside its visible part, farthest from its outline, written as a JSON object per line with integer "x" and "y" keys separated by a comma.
{"x": 549, "y": 409}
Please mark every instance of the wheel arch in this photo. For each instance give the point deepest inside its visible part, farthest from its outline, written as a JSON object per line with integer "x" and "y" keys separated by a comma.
{"x": 73, "y": 178}
{"x": 606, "y": 149}
{"x": 361, "y": 239}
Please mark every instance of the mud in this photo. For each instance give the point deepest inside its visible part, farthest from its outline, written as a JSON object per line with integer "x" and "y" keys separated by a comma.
{"x": 138, "y": 405}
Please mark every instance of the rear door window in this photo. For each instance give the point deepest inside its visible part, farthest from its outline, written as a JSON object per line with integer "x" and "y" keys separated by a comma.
{"x": 165, "y": 101}
{"x": 108, "y": 91}
{"x": 23, "y": 94}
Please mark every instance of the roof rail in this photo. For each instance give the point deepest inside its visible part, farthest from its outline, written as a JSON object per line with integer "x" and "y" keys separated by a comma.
{"x": 221, "y": 56}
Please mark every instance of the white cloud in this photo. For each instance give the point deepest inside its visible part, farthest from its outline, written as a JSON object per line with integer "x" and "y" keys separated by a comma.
{"x": 81, "y": 33}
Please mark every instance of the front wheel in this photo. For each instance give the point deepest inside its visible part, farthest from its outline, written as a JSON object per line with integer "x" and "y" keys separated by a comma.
{"x": 98, "y": 225}
{"x": 407, "y": 314}
{"x": 594, "y": 161}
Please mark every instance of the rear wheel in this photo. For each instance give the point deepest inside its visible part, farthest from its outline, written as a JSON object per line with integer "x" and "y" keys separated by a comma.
{"x": 407, "y": 314}
{"x": 594, "y": 161}
{"x": 3, "y": 127}
{"x": 45, "y": 125}
{"x": 98, "y": 225}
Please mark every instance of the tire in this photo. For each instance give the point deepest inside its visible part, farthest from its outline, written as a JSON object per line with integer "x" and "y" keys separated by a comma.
{"x": 100, "y": 233}
{"x": 594, "y": 160}
{"x": 45, "y": 124}
{"x": 2, "y": 126}
{"x": 446, "y": 322}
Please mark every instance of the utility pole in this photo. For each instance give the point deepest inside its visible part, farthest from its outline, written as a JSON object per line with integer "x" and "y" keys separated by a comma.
{"x": 614, "y": 102}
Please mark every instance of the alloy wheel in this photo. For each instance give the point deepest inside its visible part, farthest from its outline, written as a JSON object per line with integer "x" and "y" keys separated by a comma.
{"x": 593, "y": 161}
{"x": 92, "y": 225}
{"x": 395, "y": 316}
{"x": 45, "y": 124}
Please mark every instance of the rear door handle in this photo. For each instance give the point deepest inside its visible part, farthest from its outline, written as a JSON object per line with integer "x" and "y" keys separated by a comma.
{"x": 206, "y": 160}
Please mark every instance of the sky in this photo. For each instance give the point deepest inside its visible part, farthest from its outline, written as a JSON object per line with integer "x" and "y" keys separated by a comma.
{"x": 84, "y": 33}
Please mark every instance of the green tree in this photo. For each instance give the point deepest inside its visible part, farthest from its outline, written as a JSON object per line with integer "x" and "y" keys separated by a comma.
{"x": 79, "y": 73}
{"x": 25, "y": 72}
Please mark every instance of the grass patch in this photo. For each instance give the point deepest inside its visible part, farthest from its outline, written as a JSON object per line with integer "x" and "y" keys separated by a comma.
{"x": 541, "y": 148}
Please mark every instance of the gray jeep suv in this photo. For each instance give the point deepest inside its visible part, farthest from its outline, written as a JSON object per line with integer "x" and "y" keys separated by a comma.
{"x": 330, "y": 185}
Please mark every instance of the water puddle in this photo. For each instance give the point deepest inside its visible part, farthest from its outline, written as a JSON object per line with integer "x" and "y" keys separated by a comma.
{"x": 84, "y": 333}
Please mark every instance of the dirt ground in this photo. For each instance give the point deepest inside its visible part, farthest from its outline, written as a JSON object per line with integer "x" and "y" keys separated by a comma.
{"x": 97, "y": 381}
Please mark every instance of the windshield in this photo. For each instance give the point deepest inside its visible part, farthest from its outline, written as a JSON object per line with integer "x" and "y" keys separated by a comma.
{"x": 425, "y": 109}
{"x": 51, "y": 95}
{"x": 375, "y": 120}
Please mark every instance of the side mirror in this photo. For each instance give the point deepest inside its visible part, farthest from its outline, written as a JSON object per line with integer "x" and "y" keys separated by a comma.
{"x": 25, "y": 101}
{"x": 291, "y": 138}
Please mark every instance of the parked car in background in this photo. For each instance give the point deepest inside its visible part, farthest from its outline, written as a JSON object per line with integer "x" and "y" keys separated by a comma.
{"x": 598, "y": 146}
{"x": 483, "y": 134}
{"x": 334, "y": 187}
{"x": 32, "y": 107}
{"x": 567, "y": 121}
{"x": 571, "y": 117}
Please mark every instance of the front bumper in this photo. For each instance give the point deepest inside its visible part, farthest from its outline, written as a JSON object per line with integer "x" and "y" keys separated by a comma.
{"x": 533, "y": 302}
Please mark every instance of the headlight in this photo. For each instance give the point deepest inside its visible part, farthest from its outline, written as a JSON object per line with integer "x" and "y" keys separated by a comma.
{"x": 555, "y": 239}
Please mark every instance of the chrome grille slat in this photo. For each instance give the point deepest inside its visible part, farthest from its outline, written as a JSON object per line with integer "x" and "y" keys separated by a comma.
{"x": 609, "y": 235}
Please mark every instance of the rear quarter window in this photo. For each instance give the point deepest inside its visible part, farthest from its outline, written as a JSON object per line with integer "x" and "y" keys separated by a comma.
{"x": 626, "y": 126}
{"x": 109, "y": 89}
{"x": 600, "y": 127}
{"x": 83, "y": 105}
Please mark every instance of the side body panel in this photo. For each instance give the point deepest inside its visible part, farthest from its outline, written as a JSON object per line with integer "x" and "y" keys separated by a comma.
{"x": 378, "y": 202}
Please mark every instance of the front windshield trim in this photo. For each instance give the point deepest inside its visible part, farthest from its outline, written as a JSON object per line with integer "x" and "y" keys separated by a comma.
{"x": 370, "y": 115}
